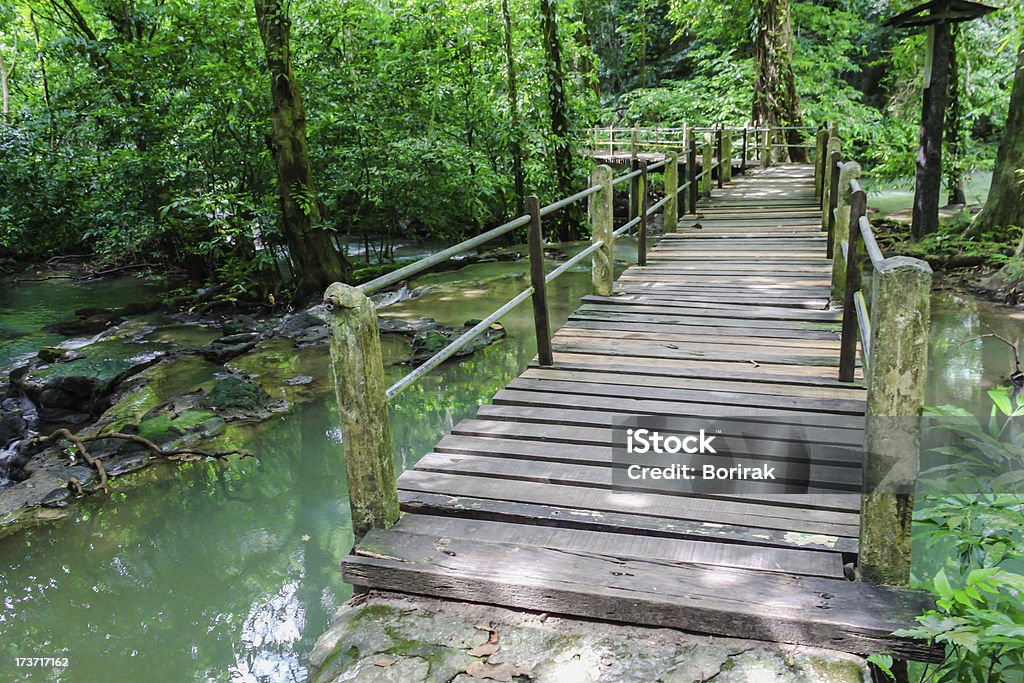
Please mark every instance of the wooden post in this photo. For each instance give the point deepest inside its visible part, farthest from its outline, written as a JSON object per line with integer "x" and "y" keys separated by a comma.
{"x": 900, "y": 309}
{"x": 602, "y": 264}
{"x": 634, "y": 189}
{"x": 633, "y": 143}
{"x": 929, "y": 155}
{"x": 691, "y": 173}
{"x": 708, "y": 163}
{"x": 766, "y": 148}
{"x": 848, "y": 341}
{"x": 831, "y": 149}
{"x": 641, "y": 237}
{"x": 358, "y": 372}
{"x": 820, "y": 145}
{"x": 727, "y": 156}
{"x": 840, "y": 230}
{"x": 743, "y": 159}
{"x": 719, "y": 147}
{"x": 611, "y": 140}
{"x": 671, "y": 214}
{"x": 833, "y": 203}
{"x": 540, "y": 296}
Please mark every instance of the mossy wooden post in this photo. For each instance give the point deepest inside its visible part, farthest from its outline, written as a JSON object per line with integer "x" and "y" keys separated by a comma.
{"x": 709, "y": 150}
{"x": 841, "y": 229}
{"x": 820, "y": 145}
{"x": 727, "y": 156}
{"x": 719, "y": 156}
{"x": 830, "y": 149}
{"x": 358, "y": 371}
{"x": 671, "y": 191}
{"x": 602, "y": 265}
{"x": 634, "y": 141}
{"x": 896, "y": 385}
{"x": 691, "y": 175}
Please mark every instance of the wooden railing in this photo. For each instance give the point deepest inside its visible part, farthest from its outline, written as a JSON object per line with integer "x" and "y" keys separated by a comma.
{"x": 356, "y": 359}
{"x": 755, "y": 143}
{"x": 893, "y": 338}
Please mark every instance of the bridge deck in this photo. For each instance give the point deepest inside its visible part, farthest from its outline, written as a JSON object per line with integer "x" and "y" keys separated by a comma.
{"x": 729, "y": 320}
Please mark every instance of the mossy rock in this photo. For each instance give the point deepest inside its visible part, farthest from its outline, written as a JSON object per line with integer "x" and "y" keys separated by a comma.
{"x": 169, "y": 426}
{"x": 236, "y": 393}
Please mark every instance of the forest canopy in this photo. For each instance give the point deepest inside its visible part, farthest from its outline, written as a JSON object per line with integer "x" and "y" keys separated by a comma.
{"x": 220, "y": 137}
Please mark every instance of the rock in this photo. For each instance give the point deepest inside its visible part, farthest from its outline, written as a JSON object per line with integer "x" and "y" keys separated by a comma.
{"x": 127, "y": 463}
{"x": 299, "y": 381}
{"x": 304, "y": 328}
{"x": 410, "y": 327}
{"x": 224, "y": 349}
{"x": 426, "y": 344}
{"x": 49, "y": 354}
{"x": 236, "y": 393}
{"x": 57, "y": 498}
{"x": 13, "y": 421}
{"x": 385, "y": 634}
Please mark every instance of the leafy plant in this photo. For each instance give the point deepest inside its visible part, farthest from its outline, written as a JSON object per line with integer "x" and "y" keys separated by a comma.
{"x": 973, "y": 514}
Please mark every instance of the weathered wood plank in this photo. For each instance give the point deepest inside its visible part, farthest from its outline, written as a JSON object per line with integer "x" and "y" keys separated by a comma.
{"x": 842, "y": 615}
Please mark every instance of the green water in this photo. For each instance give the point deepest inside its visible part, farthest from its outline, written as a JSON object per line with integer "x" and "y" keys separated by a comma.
{"x": 229, "y": 571}
{"x": 26, "y": 308}
{"x": 899, "y": 195}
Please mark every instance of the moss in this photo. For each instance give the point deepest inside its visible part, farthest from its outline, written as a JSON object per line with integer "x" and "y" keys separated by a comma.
{"x": 235, "y": 392}
{"x": 372, "y": 612}
{"x": 163, "y": 428}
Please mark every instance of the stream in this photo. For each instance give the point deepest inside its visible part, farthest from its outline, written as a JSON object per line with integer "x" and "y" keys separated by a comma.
{"x": 229, "y": 571}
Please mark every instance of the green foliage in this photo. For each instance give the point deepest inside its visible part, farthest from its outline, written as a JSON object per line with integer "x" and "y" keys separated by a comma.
{"x": 974, "y": 515}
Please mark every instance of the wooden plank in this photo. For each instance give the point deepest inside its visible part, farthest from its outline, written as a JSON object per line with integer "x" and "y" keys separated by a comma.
{"x": 632, "y": 304}
{"x": 626, "y": 545}
{"x": 760, "y": 356}
{"x": 629, "y": 324}
{"x": 714, "y": 397}
{"x": 791, "y": 492}
{"x": 827, "y": 345}
{"x": 506, "y": 420}
{"x": 634, "y": 522}
{"x": 594, "y": 374}
{"x": 755, "y": 514}
{"x": 842, "y": 615}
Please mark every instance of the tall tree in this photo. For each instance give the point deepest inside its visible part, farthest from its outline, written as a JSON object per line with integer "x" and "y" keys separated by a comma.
{"x": 954, "y": 124}
{"x": 516, "y": 139}
{"x": 775, "y": 98}
{"x": 1004, "y": 207}
{"x": 568, "y": 227}
{"x": 316, "y": 262}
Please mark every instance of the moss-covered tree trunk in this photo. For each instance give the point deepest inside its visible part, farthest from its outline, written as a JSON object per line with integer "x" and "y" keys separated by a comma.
{"x": 516, "y": 139}
{"x": 1004, "y": 207}
{"x": 954, "y": 122}
{"x": 569, "y": 220}
{"x": 776, "y": 103}
{"x": 316, "y": 263}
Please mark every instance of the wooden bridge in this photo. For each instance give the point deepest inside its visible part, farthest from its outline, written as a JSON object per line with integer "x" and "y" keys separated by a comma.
{"x": 726, "y": 321}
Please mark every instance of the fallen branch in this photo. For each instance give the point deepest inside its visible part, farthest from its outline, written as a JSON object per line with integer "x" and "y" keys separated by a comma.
{"x": 101, "y": 474}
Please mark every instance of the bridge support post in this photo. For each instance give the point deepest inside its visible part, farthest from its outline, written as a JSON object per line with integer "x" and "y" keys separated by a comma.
{"x": 900, "y": 311}
{"x": 848, "y": 340}
{"x": 766, "y": 147}
{"x": 743, "y": 158}
{"x": 727, "y": 156}
{"x": 709, "y": 144}
{"x": 820, "y": 145}
{"x": 671, "y": 214}
{"x": 601, "y": 209}
{"x": 719, "y": 156}
{"x": 840, "y": 228}
{"x": 358, "y": 372}
{"x": 691, "y": 175}
{"x": 641, "y": 234}
{"x": 826, "y": 195}
{"x": 540, "y": 295}
{"x": 634, "y": 141}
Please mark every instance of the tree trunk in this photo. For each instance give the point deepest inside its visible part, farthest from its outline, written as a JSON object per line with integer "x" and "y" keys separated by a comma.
{"x": 1005, "y": 205}
{"x": 5, "y": 91}
{"x": 929, "y": 155}
{"x": 315, "y": 261}
{"x": 776, "y": 103}
{"x": 954, "y": 163}
{"x": 568, "y": 223}
{"x": 513, "y": 110}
